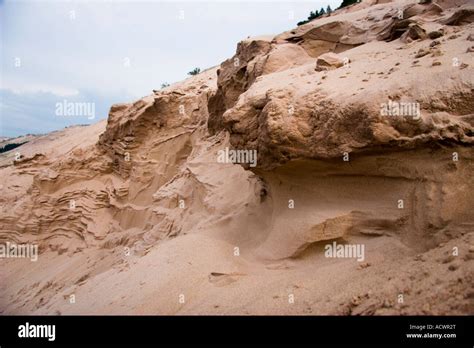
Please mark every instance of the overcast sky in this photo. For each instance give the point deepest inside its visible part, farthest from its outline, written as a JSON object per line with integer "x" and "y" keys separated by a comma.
{"x": 104, "y": 52}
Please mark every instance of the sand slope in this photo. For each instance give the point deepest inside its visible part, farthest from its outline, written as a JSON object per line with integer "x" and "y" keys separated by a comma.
{"x": 136, "y": 215}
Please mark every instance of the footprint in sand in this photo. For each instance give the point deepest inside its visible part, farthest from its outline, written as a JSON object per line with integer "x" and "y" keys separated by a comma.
{"x": 223, "y": 279}
{"x": 278, "y": 266}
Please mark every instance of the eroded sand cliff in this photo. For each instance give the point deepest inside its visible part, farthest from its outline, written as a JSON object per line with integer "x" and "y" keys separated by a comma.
{"x": 136, "y": 215}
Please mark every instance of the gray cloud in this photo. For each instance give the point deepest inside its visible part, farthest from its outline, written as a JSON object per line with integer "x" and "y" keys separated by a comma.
{"x": 35, "y": 112}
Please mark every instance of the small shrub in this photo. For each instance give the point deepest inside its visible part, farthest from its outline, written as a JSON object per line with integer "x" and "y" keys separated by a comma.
{"x": 315, "y": 14}
{"x": 194, "y": 72}
{"x": 10, "y": 146}
{"x": 348, "y": 2}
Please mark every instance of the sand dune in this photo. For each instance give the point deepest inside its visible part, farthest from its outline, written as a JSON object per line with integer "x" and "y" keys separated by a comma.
{"x": 136, "y": 214}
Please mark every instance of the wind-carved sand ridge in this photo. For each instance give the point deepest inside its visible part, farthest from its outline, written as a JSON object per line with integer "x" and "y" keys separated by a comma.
{"x": 136, "y": 215}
